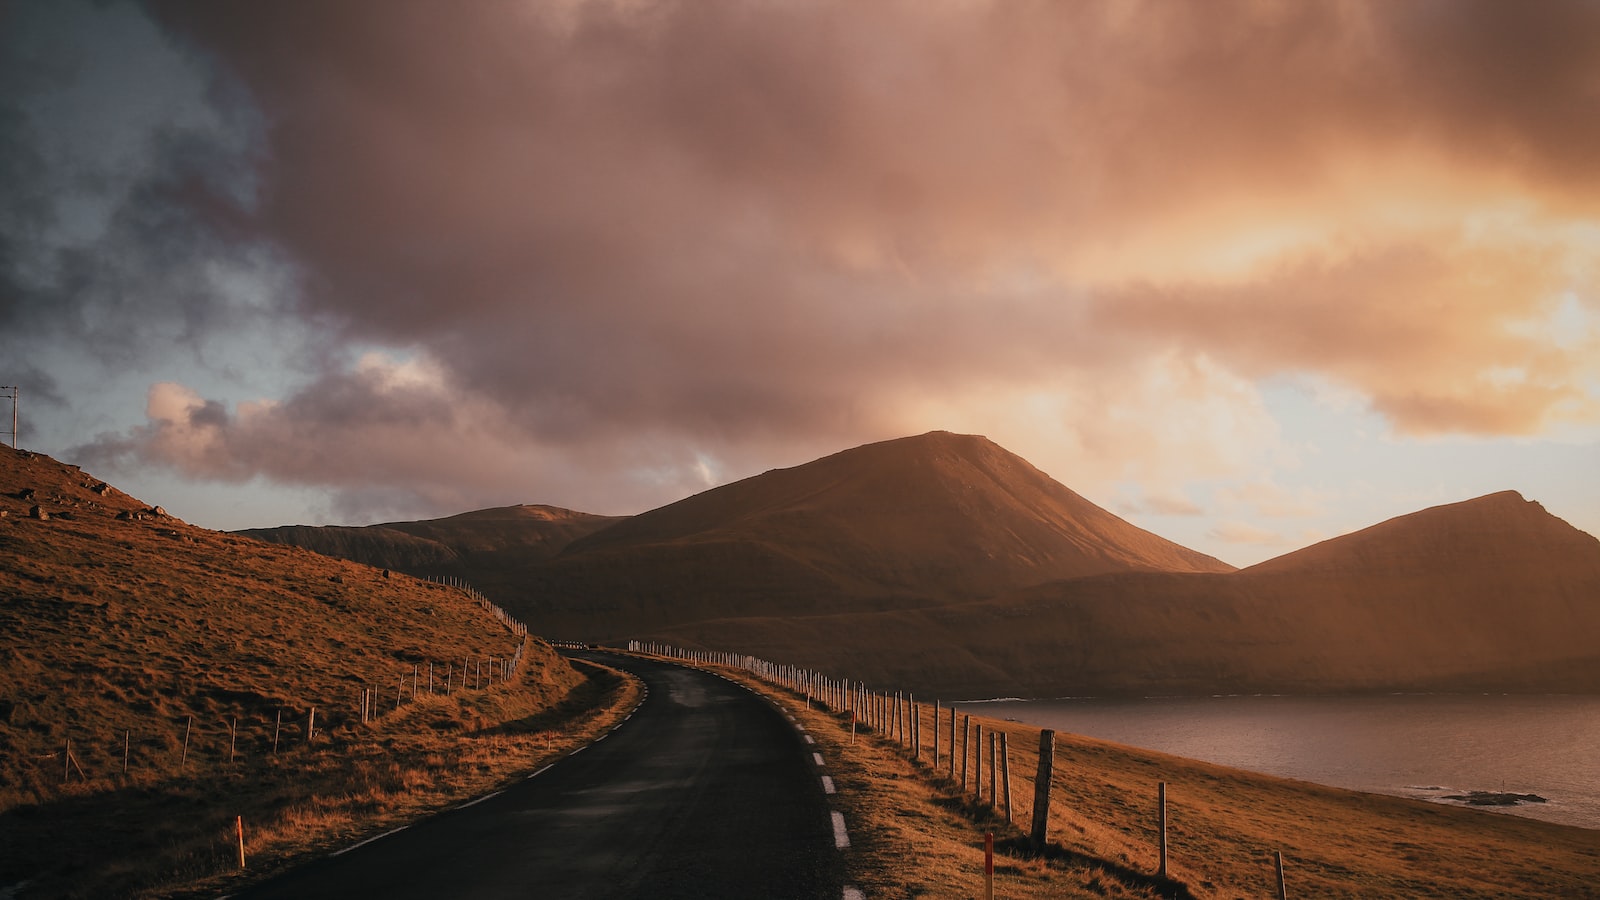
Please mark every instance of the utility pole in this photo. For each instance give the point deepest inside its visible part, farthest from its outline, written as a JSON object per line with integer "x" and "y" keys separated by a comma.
{"x": 14, "y": 390}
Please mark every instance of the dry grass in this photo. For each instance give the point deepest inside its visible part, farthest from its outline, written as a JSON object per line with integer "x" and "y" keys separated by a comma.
{"x": 914, "y": 833}
{"x": 128, "y": 629}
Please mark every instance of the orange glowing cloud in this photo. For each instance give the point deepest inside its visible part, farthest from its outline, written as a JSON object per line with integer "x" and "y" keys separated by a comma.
{"x": 803, "y": 225}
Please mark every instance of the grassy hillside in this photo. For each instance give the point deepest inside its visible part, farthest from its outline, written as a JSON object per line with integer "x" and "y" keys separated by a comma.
{"x": 915, "y": 522}
{"x": 1490, "y": 594}
{"x": 489, "y": 546}
{"x": 187, "y": 653}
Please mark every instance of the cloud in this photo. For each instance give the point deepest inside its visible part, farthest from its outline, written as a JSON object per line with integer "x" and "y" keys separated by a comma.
{"x": 424, "y": 446}
{"x": 1234, "y": 532}
{"x": 1266, "y": 498}
{"x": 1162, "y": 505}
{"x": 697, "y": 232}
{"x": 1431, "y": 333}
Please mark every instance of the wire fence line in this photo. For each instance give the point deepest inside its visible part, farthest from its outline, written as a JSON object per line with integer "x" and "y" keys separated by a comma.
{"x": 505, "y": 618}
{"x": 897, "y": 717}
{"x": 176, "y": 746}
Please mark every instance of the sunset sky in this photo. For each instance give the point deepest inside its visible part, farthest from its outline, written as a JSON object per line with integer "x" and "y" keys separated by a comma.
{"x": 1250, "y": 275}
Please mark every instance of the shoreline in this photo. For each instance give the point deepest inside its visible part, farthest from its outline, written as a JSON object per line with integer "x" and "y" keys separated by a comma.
{"x": 1389, "y": 745}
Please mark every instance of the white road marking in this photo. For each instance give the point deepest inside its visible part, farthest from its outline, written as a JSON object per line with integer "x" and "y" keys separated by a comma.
{"x": 841, "y": 838}
{"x": 809, "y": 739}
{"x": 818, "y": 758}
{"x": 369, "y": 840}
{"x": 854, "y": 893}
{"x": 827, "y": 785}
{"x": 479, "y": 800}
{"x": 538, "y": 773}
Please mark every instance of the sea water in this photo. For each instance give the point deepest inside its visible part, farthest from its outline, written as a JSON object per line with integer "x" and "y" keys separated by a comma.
{"x": 1429, "y": 747}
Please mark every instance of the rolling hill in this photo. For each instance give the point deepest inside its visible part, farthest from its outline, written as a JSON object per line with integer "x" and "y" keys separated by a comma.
{"x": 944, "y": 563}
{"x": 169, "y": 660}
{"x": 507, "y": 537}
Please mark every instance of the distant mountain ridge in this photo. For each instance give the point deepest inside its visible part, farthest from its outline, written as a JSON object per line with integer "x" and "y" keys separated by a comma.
{"x": 455, "y": 545}
{"x": 927, "y": 520}
{"x": 944, "y": 562}
{"x": 1514, "y": 606}
{"x": 989, "y": 515}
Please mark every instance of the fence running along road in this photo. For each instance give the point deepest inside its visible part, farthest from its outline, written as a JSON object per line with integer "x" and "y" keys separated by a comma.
{"x": 705, "y": 792}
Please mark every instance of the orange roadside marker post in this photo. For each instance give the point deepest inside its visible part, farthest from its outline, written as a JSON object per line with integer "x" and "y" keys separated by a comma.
{"x": 988, "y": 865}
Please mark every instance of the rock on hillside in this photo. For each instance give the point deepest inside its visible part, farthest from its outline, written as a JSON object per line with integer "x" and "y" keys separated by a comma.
{"x": 925, "y": 520}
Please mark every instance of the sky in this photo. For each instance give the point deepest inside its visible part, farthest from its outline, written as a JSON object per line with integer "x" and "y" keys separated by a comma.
{"x": 1248, "y": 274}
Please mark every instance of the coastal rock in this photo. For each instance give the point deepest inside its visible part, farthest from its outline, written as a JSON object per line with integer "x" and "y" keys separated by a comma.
{"x": 1495, "y": 798}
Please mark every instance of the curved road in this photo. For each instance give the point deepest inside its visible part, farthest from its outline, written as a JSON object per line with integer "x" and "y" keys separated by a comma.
{"x": 707, "y": 791}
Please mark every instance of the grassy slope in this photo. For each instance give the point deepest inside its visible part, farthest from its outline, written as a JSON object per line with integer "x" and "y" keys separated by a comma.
{"x": 1492, "y": 594}
{"x": 915, "y": 834}
{"x": 127, "y": 628}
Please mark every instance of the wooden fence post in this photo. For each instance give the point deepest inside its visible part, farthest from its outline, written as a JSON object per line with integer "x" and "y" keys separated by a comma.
{"x": 127, "y": 740}
{"x": 1161, "y": 802}
{"x": 916, "y": 730}
{"x": 66, "y": 762}
{"x": 276, "y": 727}
{"x": 1277, "y": 859}
{"x": 994, "y": 768}
{"x": 1005, "y": 762}
{"x": 936, "y": 734}
{"x": 977, "y": 782}
{"x": 311, "y": 725}
{"x": 952, "y": 743}
{"x": 233, "y": 738}
{"x": 966, "y": 741}
{"x": 184, "y": 760}
{"x": 1041, "y": 788}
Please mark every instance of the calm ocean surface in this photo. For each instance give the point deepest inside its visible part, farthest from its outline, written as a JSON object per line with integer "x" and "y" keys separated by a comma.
{"x": 1422, "y": 746}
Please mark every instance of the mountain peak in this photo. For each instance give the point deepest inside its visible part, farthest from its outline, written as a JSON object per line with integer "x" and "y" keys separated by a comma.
{"x": 1495, "y": 530}
{"x": 936, "y": 515}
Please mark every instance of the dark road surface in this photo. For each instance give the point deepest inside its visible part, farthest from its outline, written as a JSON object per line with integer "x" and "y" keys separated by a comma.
{"x": 707, "y": 791}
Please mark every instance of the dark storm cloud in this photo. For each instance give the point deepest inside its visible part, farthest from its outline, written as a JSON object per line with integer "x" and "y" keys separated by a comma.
{"x": 734, "y": 225}
{"x": 119, "y": 217}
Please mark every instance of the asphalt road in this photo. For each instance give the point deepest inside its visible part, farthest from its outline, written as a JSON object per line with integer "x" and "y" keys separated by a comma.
{"x": 707, "y": 791}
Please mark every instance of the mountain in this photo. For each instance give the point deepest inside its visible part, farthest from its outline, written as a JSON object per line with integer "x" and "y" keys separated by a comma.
{"x": 487, "y": 546}
{"x": 943, "y": 562}
{"x": 1492, "y": 594}
{"x": 1484, "y": 538}
{"x": 928, "y": 520}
